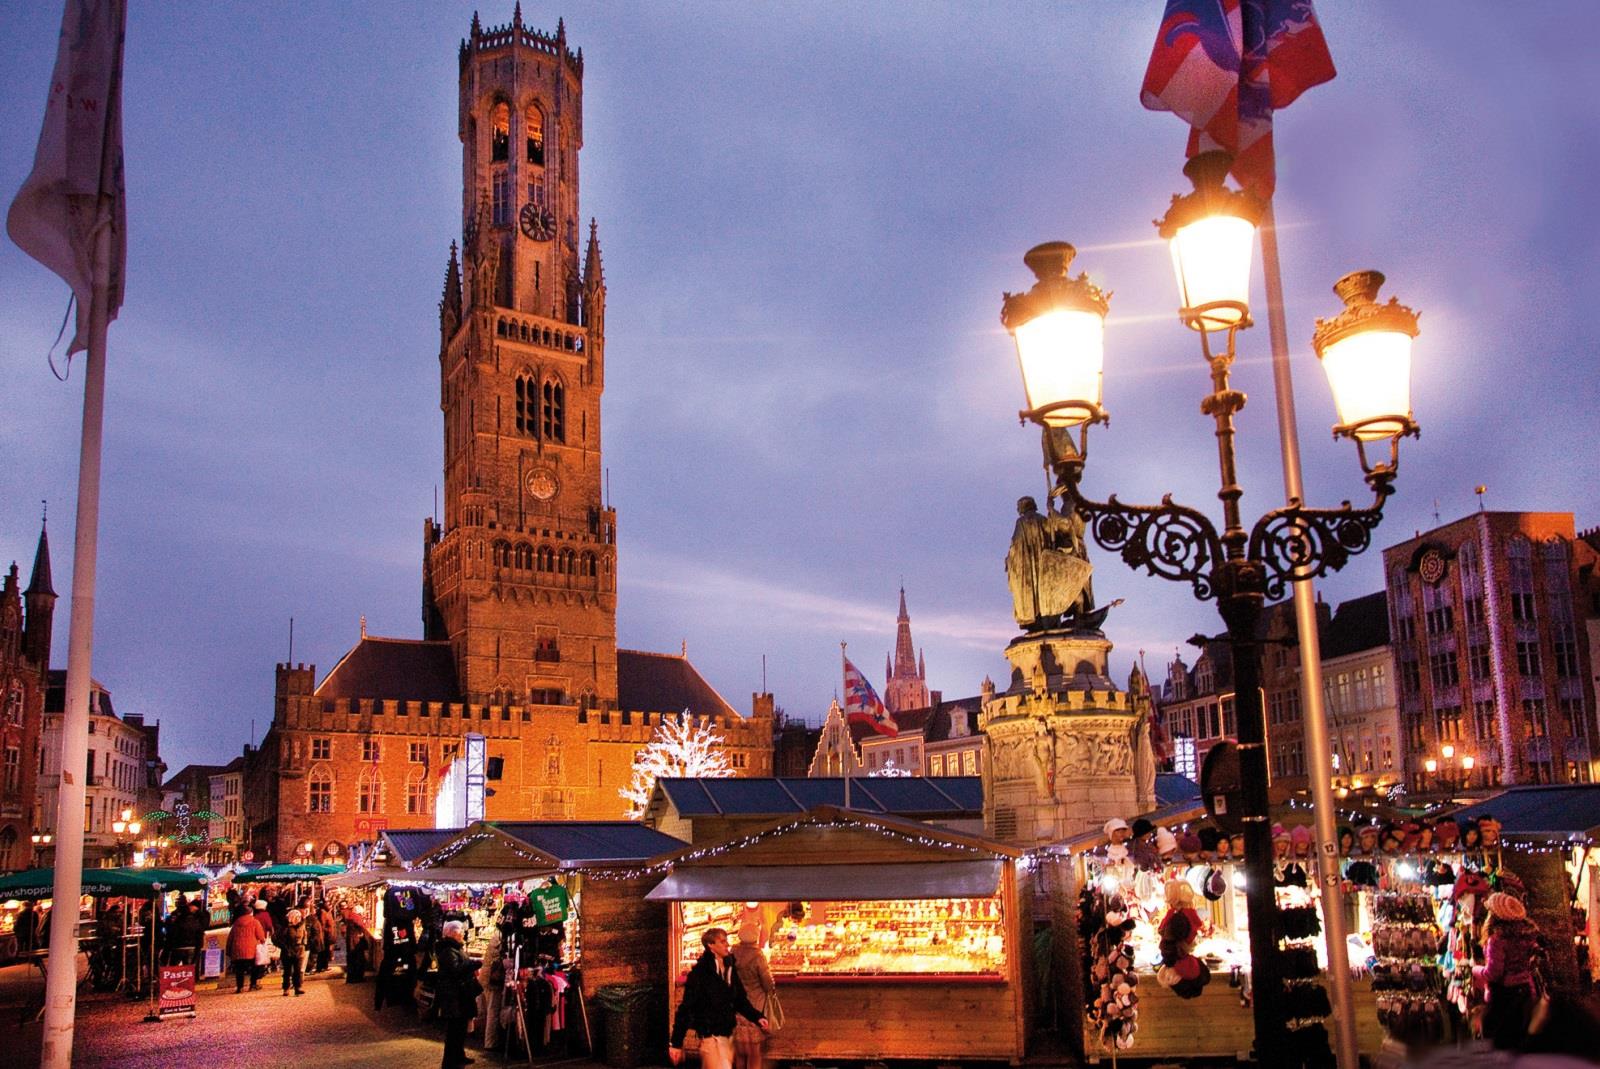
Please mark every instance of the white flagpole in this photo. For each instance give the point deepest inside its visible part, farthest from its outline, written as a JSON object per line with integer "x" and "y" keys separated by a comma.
{"x": 1305, "y": 612}
{"x": 61, "y": 973}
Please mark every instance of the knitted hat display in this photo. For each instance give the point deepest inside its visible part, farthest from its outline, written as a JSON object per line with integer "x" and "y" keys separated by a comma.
{"x": 1505, "y": 907}
{"x": 1115, "y": 824}
{"x": 1166, "y": 842}
{"x": 1510, "y": 883}
{"x": 1189, "y": 844}
{"x": 1216, "y": 885}
{"x": 1144, "y": 855}
{"x": 1301, "y": 837}
{"x": 1281, "y": 834}
{"x": 1209, "y": 838}
{"x": 1362, "y": 873}
{"x": 1446, "y": 833}
{"x": 1470, "y": 883}
{"x": 1142, "y": 827}
{"x": 1192, "y": 976}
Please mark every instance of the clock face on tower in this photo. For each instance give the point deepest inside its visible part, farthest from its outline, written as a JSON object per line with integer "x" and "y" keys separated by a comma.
{"x": 537, "y": 222}
{"x": 542, "y": 484}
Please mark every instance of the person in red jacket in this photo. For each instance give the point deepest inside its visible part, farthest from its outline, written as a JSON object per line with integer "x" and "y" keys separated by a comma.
{"x": 243, "y": 939}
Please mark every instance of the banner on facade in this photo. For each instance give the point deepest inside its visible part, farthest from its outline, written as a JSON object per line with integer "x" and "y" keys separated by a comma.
{"x": 177, "y": 991}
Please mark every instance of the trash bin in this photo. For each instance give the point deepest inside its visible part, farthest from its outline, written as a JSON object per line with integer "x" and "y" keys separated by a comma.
{"x": 626, "y": 1008}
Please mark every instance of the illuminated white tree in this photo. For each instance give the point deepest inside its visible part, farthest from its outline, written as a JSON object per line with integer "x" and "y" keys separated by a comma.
{"x": 681, "y": 746}
{"x": 892, "y": 770}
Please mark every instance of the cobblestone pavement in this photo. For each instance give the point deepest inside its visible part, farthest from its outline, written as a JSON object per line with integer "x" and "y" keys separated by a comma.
{"x": 332, "y": 1026}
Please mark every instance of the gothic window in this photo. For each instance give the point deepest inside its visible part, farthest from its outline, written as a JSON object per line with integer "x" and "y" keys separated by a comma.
{"x": 554, "y": 412}
{"x": 1445, "y": 675}
{"x": 1437, "y": 609}
{"x": 547, "y": 559}
{"x": 568, "y": 558}
{"x": 587, "y": 565}
{"x": 1528, "y": 656}
{"x": 319, "y": 790}
{"x": 13, "y": 709}
{"x": 502, "y": 554}
{"x": 534, "y": 121}
{"x": 12, "y": 770}
{"x": 8, "y": 845}
{"x": 369, "y": 792}
{"x": 527, "y": 406}
{"x": 1404, "y": 612}
{"x": 500, "y": 138}
{"x": 1519, "y": 558}
{"x": 1483, "y": 722}
{"x": 1471, "y": 582}
{"x": 1447, "y": 723}
{"x": 1538, "y": 717}
{"x": 370, "y": 751}
{"x": 500, "y": 186}
{"x": 524, "y": 556}
{"x": 1572, "y": 713}
{"x": 417, "y": 793}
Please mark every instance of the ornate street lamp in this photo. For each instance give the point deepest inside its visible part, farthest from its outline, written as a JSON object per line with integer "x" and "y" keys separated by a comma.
{"x": 126, "y": 830}
{"x": 1210, "y": 232}
{"x": 1059, "y": 326}
{"x": 41, "y": 843}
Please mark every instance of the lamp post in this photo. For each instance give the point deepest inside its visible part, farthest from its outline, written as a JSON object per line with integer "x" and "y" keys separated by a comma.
{"x": 1365, "y": 351}
{"x": 126, "y": 830}
{"x": 1451, "y": 770}
{"x": 41, "y": 843}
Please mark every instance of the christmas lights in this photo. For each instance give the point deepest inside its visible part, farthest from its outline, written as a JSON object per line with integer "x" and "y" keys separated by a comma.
{"x": 680, "y": 747}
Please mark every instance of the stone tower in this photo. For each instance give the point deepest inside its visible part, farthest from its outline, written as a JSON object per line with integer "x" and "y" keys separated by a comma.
{"x": 906, "y": 676}
{"x": 520, "y": 572}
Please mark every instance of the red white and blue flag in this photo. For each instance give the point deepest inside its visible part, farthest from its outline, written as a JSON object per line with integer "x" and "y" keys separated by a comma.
{"x": 862, "y": 704}
{"x": 1224, "y": 66}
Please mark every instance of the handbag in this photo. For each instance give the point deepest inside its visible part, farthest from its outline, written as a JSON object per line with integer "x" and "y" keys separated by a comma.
{"x": 774, "y": 1013}
{"x": 263, "y": 953}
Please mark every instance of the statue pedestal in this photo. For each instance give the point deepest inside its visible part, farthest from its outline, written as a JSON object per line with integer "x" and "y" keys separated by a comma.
{"x": 1060, "y": 740}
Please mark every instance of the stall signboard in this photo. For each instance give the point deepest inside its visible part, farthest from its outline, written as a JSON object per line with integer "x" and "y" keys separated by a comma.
{"x": 550, "y": 903}
{"x": 211, "y": 956}
{"x": 177, "y": 991}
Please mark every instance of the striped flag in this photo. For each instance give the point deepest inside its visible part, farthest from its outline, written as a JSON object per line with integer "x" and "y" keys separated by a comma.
{"x": 1224, "y": 66}
{"x": 862, "y": 704}
{"x": 76, "y": 187}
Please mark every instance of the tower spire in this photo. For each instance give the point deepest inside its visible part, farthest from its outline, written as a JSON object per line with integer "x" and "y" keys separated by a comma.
{"x": 905, "y": 687}
{"x": 40, "y": 583}
{"x": 40, "y": 599}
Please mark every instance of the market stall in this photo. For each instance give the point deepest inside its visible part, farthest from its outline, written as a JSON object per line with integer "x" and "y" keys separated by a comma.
{"x": 887, "y": 938}
{"x": 1152, "y": 936}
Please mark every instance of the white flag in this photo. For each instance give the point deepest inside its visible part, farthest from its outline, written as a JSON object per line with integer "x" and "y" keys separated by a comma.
{"x": 76, "y": 186}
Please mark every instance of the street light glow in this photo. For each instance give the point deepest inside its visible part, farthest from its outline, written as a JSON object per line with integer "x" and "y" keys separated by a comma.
{"x": 1366, "y": 353}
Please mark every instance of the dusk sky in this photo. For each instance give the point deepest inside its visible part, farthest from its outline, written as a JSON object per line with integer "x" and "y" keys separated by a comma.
{"x": 808, "y": 213}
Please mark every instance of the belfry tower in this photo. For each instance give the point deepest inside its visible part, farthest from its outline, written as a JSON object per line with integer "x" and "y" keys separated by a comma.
{"x": 520, "y": 575}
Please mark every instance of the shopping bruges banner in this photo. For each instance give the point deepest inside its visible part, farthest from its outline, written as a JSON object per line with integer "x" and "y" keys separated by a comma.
{"x": 177, "y": 991}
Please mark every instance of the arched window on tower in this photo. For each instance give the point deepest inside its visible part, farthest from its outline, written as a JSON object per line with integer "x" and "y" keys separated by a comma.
{"x": 547, "y": 559}
{"x": 500, "y": 135}
{"x": 554, "y": 421}
{"x": 527, "y": 406}
{"x": 533, "y": 119}
{"x": 524, "y": 556}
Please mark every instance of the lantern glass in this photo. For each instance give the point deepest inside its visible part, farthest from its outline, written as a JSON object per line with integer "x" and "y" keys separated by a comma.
{"x": 1431, "y": 765}
{"x": 1370, "y": 375}
{"x": 1211, "y": 257}
{"x": 1062, "y": 353}
{"x": 1468, "y": 762}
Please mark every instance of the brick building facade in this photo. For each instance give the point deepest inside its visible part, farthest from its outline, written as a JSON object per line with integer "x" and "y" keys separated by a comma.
{"x": 519, "y": 581}
{"x": 1487, "y": 617}
{"x": 25, "y": 622}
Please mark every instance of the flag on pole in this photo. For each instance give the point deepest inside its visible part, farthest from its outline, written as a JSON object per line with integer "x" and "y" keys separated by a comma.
{"x": 76, "y": 187}
{"x": 862, "y": 704}
{"x": 1224, "y": 66}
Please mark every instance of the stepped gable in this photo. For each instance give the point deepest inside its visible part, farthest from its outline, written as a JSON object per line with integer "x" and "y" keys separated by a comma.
{"x": 393, "y": 669}
{"x": 666, "y": 683}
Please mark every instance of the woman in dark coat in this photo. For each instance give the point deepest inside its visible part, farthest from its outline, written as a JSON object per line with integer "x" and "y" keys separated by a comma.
{"x": 456, "y": 993}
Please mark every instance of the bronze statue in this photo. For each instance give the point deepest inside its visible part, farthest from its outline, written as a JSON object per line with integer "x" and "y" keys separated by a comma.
{"x": 1047, "y": 568}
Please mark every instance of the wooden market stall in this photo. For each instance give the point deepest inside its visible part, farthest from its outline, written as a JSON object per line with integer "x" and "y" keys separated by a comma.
{"x": 612, "y": 933}
{"x": 888, "y": 938}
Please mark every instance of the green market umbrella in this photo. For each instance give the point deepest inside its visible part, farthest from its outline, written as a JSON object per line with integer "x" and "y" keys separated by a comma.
{"x": 286, "y": 873}
{"x": 133, "y": 883}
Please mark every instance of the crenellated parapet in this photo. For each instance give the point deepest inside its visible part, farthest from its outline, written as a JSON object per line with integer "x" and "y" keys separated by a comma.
{"x": 515, "y": 33}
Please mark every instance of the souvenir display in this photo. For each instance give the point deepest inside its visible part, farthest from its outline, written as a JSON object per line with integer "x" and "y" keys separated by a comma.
{"x": 954, "y": 936}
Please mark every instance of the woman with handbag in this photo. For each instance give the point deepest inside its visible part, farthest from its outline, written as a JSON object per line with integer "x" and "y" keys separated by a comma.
{"x": 1509, "y": 971}
{"x": 749, "y": 1039}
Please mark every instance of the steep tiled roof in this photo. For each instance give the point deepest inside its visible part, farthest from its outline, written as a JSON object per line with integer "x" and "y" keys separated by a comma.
{"x": 394, "y": 669}
{"x": 1359, "y": 624}
{"x": 665, "y": 683}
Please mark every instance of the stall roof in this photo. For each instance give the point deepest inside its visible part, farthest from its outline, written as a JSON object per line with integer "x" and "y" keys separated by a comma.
{"x": 469, "y": 875}
{"x": 1173, "y": 788}
{"x": 768, "y": 883}
{"x": 546, "y": 846}
{"x": 1555, "y": 811}
{"x": 950, "y": 797}
{"x": 408, "y": 844}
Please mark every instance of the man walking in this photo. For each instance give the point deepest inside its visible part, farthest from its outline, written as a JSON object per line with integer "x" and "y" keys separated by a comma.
{"x": 456, "y": 993}
{"x": 712, "y": 995}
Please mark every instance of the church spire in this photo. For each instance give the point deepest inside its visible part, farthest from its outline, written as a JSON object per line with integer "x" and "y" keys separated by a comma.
{"x": 905, "y": 686}
{"x": 40, "y": 583}
{"x": 40, "y": 599}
